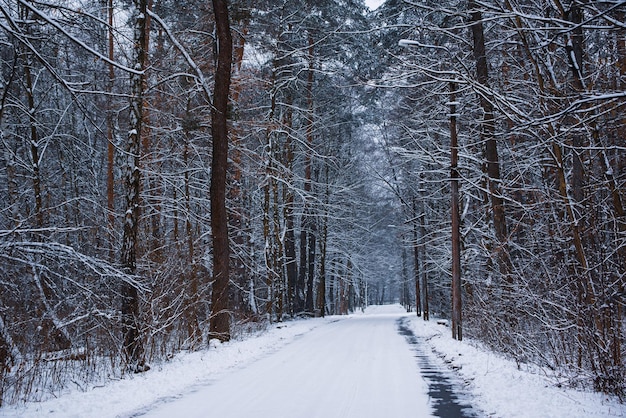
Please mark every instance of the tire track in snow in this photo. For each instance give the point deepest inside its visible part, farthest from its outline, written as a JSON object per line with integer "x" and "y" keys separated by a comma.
{"x": 444, "y": 389}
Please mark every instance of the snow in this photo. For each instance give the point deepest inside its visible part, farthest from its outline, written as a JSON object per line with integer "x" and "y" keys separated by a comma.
{"x": 500, "y": 389}
{"x": 349, "y": 366}
{"x": 182, "y": 374}
{"x": 352, "y": 367}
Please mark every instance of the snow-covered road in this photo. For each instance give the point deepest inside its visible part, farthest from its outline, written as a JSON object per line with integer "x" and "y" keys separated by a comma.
{"x": 349, "y": 366}
{"x": 354, "y": 367}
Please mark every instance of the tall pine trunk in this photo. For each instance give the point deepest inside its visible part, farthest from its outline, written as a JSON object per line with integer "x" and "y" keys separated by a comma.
{"x": 416, "y": 261}
{"x": 307, "y": 237}
{"x": 488, "y": 137}
{"x": 457, "y": 325}
{"x": 291, "y": 262}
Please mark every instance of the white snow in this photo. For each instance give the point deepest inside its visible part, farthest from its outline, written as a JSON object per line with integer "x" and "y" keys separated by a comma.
{"x": 357, "y": 366}
{"x": 182, "y": 374}
{"x": 350, "y": 366}
{"x": 500, "y": 389}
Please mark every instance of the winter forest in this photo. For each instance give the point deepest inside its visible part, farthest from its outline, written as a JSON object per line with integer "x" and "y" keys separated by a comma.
{"x": 178, "y": 171}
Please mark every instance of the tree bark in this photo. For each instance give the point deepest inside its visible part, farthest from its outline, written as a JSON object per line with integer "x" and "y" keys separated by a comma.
{"x": 416, "y": 260}
{"x": 194, "y": 333}
{"x": 269, "y": 268}
{"x": 457, "y": 332}
{"x": 321, "y": 286}
{"x": 491, "y": 149}
{"x": 277, "y": 252}
{"x": 425, "y": 307}
{"x": 309, "y": 306}
{"x": 133, "y": 347}
{"x": 219, "y": 327}
{"x": 288, "y": 197}
{"x": 110, "y": 133}
{"x": 307, "y": 237}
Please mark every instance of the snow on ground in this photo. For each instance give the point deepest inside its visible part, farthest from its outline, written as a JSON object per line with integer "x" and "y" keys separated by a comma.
{"x": 182, "y": 374}
{"x": 354, "y": 367}
{"x": 500, "y": 389}
{"x": 370, "y": 363}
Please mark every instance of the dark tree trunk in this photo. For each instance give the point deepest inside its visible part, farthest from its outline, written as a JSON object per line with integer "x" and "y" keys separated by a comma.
{"x": 307, "y": 235}
{"x": 300, "y": 284}
{"x": 425, "y": 307}
{"x": 291, "y": 263}
{"x": 34, "y": 142}
{"x": 321, "y": 287}
{"x": 133, "y": 347}
{"x": 456, "y": 235}
{"x": 269, "y": 278}
{"x": 405, "y": 294}
{"x": 416, "y": 260}
{"x": 110, "y": 133}
{"x": 309, "y": 306}
{"x": 193, "y": 327}
{"x": 220, "y": 317}
{"x": 491, "y": 149}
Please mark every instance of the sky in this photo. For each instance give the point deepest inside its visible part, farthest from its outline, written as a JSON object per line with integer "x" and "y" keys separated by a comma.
{"x": 373, "y": 4}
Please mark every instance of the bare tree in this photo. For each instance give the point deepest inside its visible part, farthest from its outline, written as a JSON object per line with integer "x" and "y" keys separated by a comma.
{"x": 133, "y": 345}
{"x": 220, "y": 316}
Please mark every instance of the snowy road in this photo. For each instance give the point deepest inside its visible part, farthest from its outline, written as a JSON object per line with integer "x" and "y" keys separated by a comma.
{"x": 355, "y": 367}
{"x": 361, "y": 366}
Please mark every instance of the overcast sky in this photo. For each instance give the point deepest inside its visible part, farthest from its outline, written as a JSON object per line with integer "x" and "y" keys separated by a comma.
{"x": 373, "y": 4}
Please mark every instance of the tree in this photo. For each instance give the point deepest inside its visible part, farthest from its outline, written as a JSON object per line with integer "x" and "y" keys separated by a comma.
{"x": 457, "y": 326}
{"x": 540, "y": 78}
{"x": 488, "y": 134}
{"x": 133, "y": 345}
{"x": 220, "y": 316}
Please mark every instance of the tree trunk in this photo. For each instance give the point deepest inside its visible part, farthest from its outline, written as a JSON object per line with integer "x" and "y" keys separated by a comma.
{"x": 34, "y": 142}
{"x": 277, "y": 259}
{"x": 491, "y": 149}
{"x": 321, "y": 287}
{"x": 110, "y": 133}
{"x": 291, "y": 263}
{"x": 269, "y": 268}
{"x": 220, "y": 317}
{"x": 309, "y": 306}
{"x": 416, "y": 261}
{"x": 456, "y": 235}
{"x": 405, "y": 295}
{"x": 332, "y": 289}
{"x": 425, "y": 308}
{"x": 194, "y": 334}
{"x": 133, "y": 347}
{"x": 300, "y": 284}
{"x": 307, "y": 237}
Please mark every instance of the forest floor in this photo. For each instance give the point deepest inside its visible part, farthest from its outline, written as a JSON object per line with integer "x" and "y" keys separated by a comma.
{"x": 381, "y": 363}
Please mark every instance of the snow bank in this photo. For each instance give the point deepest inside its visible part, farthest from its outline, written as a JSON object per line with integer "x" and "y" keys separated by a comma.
{"x": 500, "y": 389}
{"x": 185, "y": 371}
{"x": 495, "y": 384}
